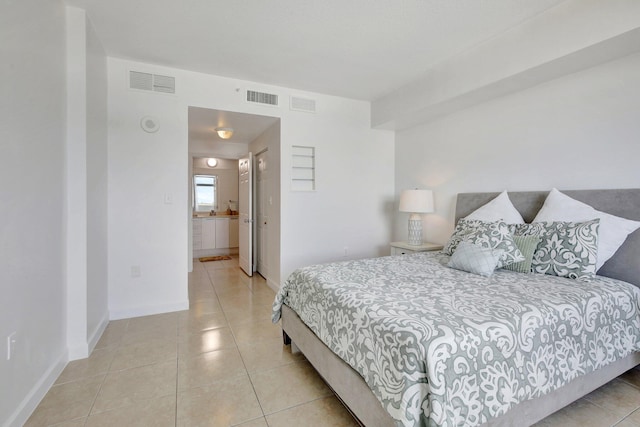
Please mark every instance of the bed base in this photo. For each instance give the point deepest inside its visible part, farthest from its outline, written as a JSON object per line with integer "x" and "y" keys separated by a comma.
{"x": 365, "y": 407}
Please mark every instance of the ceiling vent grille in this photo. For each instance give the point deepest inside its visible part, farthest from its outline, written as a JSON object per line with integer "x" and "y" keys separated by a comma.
{"x": 262, "y": 98}
{"x": 152, "y": 82}
{"x": 302, "y": 104}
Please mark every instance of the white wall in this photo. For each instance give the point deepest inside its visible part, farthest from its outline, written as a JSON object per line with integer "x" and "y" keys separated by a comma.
{"x": 32, "y": 135}
{"x": 86, "y": 190}
{"x": 97, "y": 251}
{"x": 577, "y": 132}
{"x": 355, "y": 179}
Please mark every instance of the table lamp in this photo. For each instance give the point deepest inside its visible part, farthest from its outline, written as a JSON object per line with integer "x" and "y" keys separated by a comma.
{"x": 416, "y": 202}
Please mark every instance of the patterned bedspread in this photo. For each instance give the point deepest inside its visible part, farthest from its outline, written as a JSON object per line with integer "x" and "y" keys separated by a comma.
{"x": 442, "y": 347}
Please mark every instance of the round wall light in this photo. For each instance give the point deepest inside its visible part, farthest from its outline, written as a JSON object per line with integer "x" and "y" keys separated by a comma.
{"x": 212, "y": 163}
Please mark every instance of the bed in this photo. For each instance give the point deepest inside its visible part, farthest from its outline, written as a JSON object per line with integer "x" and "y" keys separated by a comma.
{"x": 442, "y": 375}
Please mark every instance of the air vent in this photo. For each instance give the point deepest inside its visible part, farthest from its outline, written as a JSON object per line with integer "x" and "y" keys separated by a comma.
{"x": 152, "y": 82}
{"x": 262, "y": 98}
{"x": 302, "y": 104}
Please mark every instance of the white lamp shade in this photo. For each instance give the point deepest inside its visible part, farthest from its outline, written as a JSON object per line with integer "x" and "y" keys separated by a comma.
{"x": 416, "y": 201}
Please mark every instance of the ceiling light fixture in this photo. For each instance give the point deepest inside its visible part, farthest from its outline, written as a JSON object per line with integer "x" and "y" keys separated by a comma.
{"x": 224, "y": 133}
{"x": 212, "y": 163}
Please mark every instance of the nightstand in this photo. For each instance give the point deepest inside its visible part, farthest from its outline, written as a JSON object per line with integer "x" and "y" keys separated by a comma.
{"x": 403, "y": 248}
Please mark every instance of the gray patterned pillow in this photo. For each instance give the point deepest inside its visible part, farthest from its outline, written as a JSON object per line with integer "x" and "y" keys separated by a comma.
{"x": 475, "y": 259}
{"x": 566, "y": 249}
{"x": 492, "y": 235}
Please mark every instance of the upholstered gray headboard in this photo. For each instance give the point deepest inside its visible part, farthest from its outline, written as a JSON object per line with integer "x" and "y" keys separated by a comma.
{"x": 624, "y": 265}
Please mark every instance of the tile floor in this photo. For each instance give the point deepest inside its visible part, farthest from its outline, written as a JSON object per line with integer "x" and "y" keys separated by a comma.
{"x": 222, "y": 363}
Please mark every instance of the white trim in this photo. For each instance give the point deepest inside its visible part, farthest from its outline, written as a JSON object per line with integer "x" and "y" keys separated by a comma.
{"x": 78, "y": 351}
{"x": 36, "y": 394}
{"x": 97, "y": 333}
{"x": 127, "y": 313}
{"x": 273, "y": 285}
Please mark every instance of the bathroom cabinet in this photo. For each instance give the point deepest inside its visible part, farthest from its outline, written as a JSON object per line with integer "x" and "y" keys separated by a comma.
{"x": 215, "y": 233}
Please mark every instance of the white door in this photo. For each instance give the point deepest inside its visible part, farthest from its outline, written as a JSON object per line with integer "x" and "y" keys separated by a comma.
{"x": 262, "y": 209}
{"x": 245, "y": 216}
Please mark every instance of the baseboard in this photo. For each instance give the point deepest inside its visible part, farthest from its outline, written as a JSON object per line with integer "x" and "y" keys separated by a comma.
{"x": 32, "y": 399}
{"x": 76, "y": 352}
{"x": 97, "y": 333}
{"x": 273, "y": 285}
{"x": 126, "y": 313}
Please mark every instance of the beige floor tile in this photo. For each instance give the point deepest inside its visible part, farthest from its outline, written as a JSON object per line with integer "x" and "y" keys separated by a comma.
{"x": 205, "y": 306}
{"x": 154, "y": 412}
{"x": 633, "y": 419}
{"x": 147, "y": 352}
{"x": 318, "y": 413}
{"x": 231, "y": 291}
{"x": 267, "y": 354}
{"x": 202, "y": 297}
{"x": 239, "y": 317}
{"x": 558, "y": 419}
{"x": 191, "y": 322}
{"x": 256, "y": 331}
{"x": 258, "y": 422}
{"x": 617, "y": 397}
{"x": 97, "y": 363}
{"x": 632, "y": 376}
{"x": 111, "y": 336}
{"x": 583, "y": 413}
{"x": 123, "y": 388}
{"x": 164, "y": 320}
{"x": 627, "y": 422}
{"x": 65, "y": 402}
{"x": 207, "y": 368}
{"x": 153, "y": 334}
{"x": 198, "y": 342}
{"x": 157, "y": 325}
{"x": 286, "y": 386}
{"x": 78, "y": 422}
{"x": 225, "y": 403}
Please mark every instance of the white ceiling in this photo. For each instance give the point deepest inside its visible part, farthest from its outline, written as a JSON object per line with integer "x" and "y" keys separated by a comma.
{"x": 246, "y": 127}
{"x": 360, "y": 49}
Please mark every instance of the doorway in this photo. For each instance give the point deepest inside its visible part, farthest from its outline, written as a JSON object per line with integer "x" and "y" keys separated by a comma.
{"x": 251, "y": 133}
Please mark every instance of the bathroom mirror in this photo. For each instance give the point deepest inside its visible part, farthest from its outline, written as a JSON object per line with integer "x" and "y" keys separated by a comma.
{"x": 205, "y": 194}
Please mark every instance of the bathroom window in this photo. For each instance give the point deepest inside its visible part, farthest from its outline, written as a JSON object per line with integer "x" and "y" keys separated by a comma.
{"x": 205, "y": 196}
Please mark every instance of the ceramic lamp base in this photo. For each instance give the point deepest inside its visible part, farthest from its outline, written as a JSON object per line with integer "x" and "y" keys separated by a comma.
{"x": 415, "y": 230}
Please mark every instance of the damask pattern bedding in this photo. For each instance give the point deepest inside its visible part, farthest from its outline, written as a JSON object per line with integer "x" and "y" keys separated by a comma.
{"x": 442, "y": 347}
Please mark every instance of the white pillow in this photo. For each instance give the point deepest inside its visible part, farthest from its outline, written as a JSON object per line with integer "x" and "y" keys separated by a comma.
{"x": 498, "y": 209}
{"x": 613, "y": 229}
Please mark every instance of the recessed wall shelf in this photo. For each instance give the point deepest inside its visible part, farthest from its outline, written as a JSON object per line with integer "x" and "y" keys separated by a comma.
{"x": 303, "y": 168}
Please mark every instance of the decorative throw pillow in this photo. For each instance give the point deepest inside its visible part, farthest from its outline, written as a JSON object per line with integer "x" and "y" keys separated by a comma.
{"x": 613, "y": 230}
{"x": 566, "y": 249}
{"x": 475, "y": 259}
{"x": 498, "y": 209}
{"x": 527, "y": 245}
{"x": 492, "y": 235}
